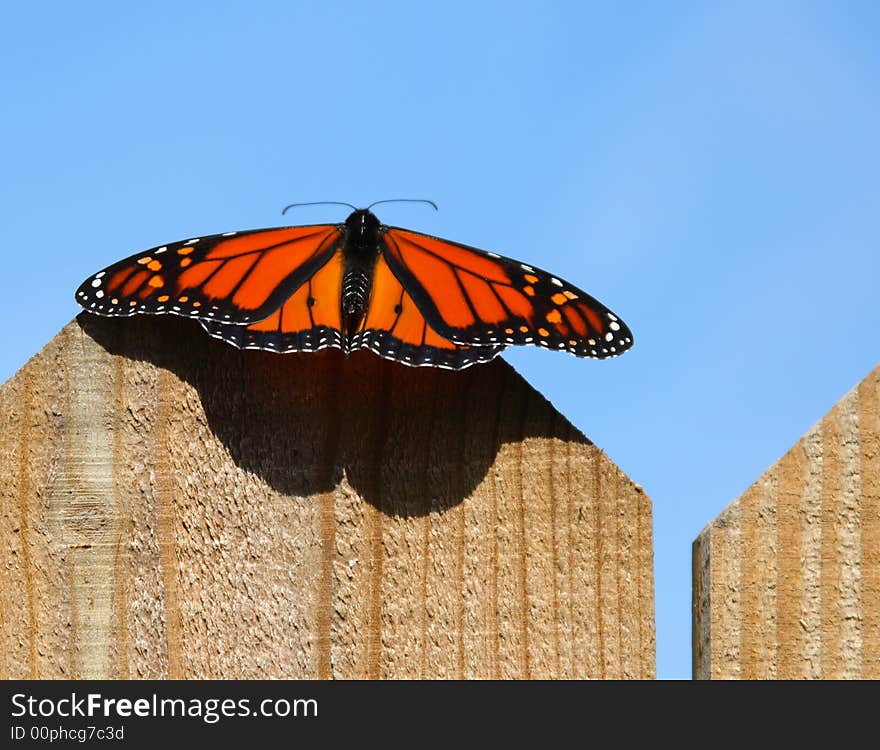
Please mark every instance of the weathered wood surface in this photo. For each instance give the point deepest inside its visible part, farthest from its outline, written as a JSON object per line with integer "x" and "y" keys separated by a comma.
{"x": 171, "y": 507}
{"x": 787, "y": 578}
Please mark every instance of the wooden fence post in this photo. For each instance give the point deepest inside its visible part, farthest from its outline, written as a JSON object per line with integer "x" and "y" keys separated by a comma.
{"x": 171, "y": 507}
{"x": 787, "y": 577}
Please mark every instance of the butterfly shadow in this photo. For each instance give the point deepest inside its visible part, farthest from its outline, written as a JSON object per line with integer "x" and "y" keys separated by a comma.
{"x": 410, "y": 441}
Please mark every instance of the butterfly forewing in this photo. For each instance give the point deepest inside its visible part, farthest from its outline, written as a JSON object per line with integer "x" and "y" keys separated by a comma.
{"x": 238, "y": 277}
{"x": 476, "y": 298}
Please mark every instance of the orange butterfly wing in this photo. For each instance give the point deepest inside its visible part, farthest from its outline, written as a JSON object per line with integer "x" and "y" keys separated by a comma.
{"x": 238, "y": 277}
{"x": 475, "y": 298}
{"x": 392, "y": 326}
{"x": 310, "y": 318}
{"x": 395, "y": 328}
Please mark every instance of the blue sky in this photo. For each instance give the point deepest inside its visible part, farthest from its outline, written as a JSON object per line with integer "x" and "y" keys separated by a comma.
{"x": 711, "y": 171}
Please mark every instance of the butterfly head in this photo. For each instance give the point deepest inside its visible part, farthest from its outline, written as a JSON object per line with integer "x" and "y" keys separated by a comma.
{"x": 362, "y": 228}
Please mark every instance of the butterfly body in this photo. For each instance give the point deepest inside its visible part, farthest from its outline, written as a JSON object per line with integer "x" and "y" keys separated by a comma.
{"x": 413, "y": 298}
{"x": 360, "y": 251}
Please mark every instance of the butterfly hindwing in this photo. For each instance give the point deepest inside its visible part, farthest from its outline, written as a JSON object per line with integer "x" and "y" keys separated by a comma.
{"x": 310, "y": 318}
{"x": 395, "y": 328}
{"x": 237, "y": 277}
{"x": 477, "y": 298}
{"x": 392, "y": 326}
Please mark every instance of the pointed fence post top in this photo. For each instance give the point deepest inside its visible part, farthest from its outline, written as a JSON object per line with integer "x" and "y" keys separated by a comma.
{"x": 173, "y": 507}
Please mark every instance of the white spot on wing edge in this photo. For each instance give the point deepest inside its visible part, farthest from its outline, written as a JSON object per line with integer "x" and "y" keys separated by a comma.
{"x": 554, "y": 280}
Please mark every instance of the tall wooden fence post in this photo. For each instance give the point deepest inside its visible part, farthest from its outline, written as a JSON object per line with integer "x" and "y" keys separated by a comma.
{"x": 171, "y": 507}
{"x": 787, "y": 577}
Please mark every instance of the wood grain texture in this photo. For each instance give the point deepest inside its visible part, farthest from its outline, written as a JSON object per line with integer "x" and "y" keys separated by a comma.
{"x": 171, "y": 507}
{"x": 787, "y": 578}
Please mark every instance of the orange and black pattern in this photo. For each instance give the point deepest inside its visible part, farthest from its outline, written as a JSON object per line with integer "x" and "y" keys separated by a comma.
{"x": 238, "y": 276}
{"x": 482, "y": 299}
{"x": 428, "y": 302}
{"x": 392, "y": 328}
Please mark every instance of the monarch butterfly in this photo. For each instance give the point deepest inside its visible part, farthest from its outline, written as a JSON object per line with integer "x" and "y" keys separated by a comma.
{"x": 408, "y": 297}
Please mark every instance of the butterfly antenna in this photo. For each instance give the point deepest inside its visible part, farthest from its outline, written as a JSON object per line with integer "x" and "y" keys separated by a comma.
{"x": 319, "y": 203}
{"x": 405, "y": 200}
